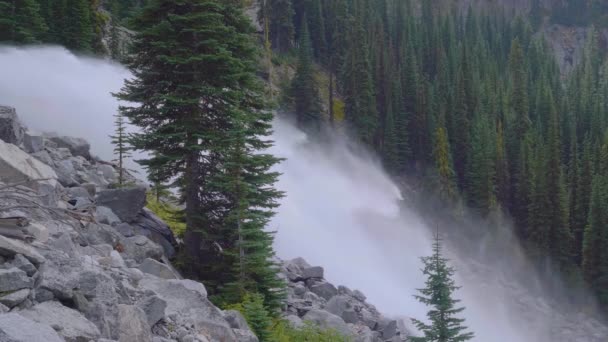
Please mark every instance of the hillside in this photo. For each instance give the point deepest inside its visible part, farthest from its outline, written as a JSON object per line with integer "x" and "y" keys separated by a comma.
{"x": 359, "y": 134}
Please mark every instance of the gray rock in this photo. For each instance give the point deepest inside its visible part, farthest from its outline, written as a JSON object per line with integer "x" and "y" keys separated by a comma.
{"x": 294, "y": 321}
{"x": 327, "y": 320}
{"x": 77, "y": 146}
{"x": 66, "y": 173}
{"x": 18, "y": 166}
{"x": 132, "y": 324}
{"x": 43, "y": 295}
{"x": 33, "y": 143}
{"x": 44, "y": 157}
{"x": 108, "y": 172}
{"x": 156, "y": 268}
{"x": 313, "y": 272}
{"x": 341, "y": 306}
{"x": 9, "y": 248}
{"x": 23, "y": 264}
{"x": 125, "y": 229}
{"x": 236, "y": 320}
{"x": 11, "y": 129}
{"x": 3, "y": 308}
{"x": 149, "y": 225}
{"x": 78, "y": 191}
{"x": 14, "y": 279}
{"x": 74, "y": 327}
{"x": 187, "y": 303}
{"x": 343, "y": 290}
{"x": 38, "y": 231}
{"x": 323, "y": 289}
{"x": 125, "y": 203}
{"x": 16, "y": 328}
{"x": 98, "y": 234}
{"x": 299, "y": 289}
{"x": 154, "y": 308}
{"x": 105, "y": 215}
{"x": 91, "y": 189}
{"x": 140, "y": 247}
{"x": 245, "y": 335}
{"x": 359, "y": 295}
{"x": 388, "y": 328}
{"x": 15, "y": 298}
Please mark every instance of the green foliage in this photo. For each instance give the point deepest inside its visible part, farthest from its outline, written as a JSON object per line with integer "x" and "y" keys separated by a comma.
{"x": 443, "y": 325}
{"x": 21, "y": 22}
{"x": 305, "y": 92}
{"x": 282, "y": 331}
{"x": 257, "y": 316}
{"x": 206, "y": 134}
{"x": 268, "y": 329}
{"x": 167, "y": 212}
{"x": 121, "y": 147}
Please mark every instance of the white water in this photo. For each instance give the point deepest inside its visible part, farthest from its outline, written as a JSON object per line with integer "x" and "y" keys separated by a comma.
{"x": 341, "y": 211}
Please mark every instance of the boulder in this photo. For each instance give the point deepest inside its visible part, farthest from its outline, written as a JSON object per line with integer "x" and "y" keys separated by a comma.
{"x": 108, "y": 172}
{"x": 323, "y": 289}
{"x": 294, "y": 321}
{"x": 148, "y": 224}
{"x": 125, "y": 203}
{"x": 327, "y": 320}
{"x": 16, "y": 328}
{"x": 236, "y": 320}
{"x": 187, "y": 303}
{"x": 14, "y": 279}
{"x": 17, "y": 166}
{"x": 105, "y": 215}
{"x": 38, "y": 231}
{"x": 245, "y": 335}
{"x": 154, "y": 308}
{"x": 23, "y": 264}
{"x": 78, "y": 191}
{"x": 73, "y": 326}
{"x": 387, "y": 327}
{"x": 132, "y": 324}
{"x": 313, "y": 272}
{"x": 140, "y": 247}
{"x": 11, "y": 129}
{"x": 341, "y": 306}
{"x": 157, "y": 269}
{"x": 33, "y": 143}
{"x": 15, "y": 298}
{"x": 9, "y": 248}
{"x": 359, "y": 295}
{"x": 125, "y": 229}
{"x": 77, "y": 146}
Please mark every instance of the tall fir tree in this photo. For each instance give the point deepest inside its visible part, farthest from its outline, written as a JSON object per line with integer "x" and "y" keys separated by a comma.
{"x": 200, "y": 109}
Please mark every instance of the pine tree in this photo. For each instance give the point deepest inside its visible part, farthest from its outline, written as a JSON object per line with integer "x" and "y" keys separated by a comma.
{"x": 595, "y": 244}
{"x": 443, "y": 164}
{"x": 443, "y": 325}
{"x": 304, "y": 88}
{"x": 359, "y": 87}
{"x": 114, "y": 43}
{"x": 200, "y": 110}
{"x": 79, "y": 33}
{"x": 257, "y": 317}
{"x": 21, "y": 22}
{"x": 276, "y": 16}
{"x": 121, "y": 146}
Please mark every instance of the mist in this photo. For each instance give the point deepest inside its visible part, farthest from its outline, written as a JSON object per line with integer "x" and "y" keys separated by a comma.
{"x": 341, "y": 210}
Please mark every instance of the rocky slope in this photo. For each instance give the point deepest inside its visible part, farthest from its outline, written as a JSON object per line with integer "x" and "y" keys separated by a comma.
{"x": 80, "y": 261}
